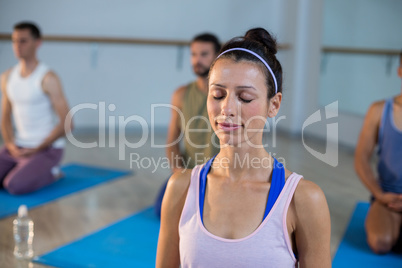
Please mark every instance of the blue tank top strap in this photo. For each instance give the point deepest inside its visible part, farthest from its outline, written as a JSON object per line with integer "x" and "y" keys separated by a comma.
{"x": 203, "y": 184}
{"x": 277, "y": 184}
{"x": 385, "y": 116}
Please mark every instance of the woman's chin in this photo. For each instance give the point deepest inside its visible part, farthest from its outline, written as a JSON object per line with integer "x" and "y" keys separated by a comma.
{"x": 229, "y": 143}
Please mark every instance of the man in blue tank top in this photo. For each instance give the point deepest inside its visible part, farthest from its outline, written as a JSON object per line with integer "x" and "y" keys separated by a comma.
{"x": 383, "y": 128}
{"x": 32, "y": 98}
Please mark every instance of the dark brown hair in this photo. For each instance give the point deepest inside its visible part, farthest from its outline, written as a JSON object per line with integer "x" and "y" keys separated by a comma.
{"x": 263, "y": 43}
{"x": 35, "y": 32}
{"x": 208, "y": 37}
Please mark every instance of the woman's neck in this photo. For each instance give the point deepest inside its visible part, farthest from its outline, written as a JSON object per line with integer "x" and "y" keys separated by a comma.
{"x": 238, "y": 163}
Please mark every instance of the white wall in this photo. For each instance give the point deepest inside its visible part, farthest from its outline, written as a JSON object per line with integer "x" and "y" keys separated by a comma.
{"x": 314, "y": 80}
{"x": 130, "y": 76}
{"x": 358, "y": 80}
{"x": 133, "y": 77}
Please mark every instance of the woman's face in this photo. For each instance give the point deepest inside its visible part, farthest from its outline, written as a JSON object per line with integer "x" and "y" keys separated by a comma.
{"x": 237, "y": 102}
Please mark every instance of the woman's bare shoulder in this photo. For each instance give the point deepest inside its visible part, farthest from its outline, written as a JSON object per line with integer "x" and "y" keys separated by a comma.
{"x": 309, "y": 190}
{"x": 177, "y": 188}
{"x": 309, "y": 198}
{"x": 180, "y": 180}
{"x": 306, "y": 192}
{"x": 306, "y": 188}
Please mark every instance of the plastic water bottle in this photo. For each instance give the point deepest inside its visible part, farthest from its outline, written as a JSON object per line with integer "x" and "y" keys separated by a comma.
{"x": 23, "y": 234}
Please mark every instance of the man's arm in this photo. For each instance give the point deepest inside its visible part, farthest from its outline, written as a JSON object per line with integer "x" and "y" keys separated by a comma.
{"x": 52, "y": 87}
{"x": 6, "y": 124}
{"x": 367, "y": 141}
{"x": 174, "y": 131}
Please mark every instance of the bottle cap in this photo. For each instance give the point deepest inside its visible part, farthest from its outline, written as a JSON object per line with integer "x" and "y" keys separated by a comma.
{"x": 22, "y": 211}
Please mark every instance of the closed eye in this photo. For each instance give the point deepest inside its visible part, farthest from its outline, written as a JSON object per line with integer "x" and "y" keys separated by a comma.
{"x": 245, "y": 101}
{"x": 241, "y": 99}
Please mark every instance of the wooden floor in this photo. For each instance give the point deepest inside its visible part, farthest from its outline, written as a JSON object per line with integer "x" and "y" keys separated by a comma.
{"x": 72, "y": 217}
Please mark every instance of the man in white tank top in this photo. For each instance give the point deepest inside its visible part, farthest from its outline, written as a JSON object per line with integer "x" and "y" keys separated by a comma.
{"x": 32, "y": 97}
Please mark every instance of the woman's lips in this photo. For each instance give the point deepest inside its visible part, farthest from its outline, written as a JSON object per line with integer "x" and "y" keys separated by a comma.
{"x": 228, "y": 126}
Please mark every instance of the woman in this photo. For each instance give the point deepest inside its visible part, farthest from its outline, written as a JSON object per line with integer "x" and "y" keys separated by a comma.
{"x": 218, "y": 214}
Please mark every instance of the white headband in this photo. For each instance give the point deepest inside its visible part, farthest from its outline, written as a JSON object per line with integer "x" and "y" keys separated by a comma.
{"x": 259, "y": 57}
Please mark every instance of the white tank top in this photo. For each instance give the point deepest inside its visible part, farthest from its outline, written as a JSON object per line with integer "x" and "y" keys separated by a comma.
{"x": 32, "y": 109}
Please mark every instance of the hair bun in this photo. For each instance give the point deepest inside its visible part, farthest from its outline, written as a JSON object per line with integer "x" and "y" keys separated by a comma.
{"x": 264, "y": 37}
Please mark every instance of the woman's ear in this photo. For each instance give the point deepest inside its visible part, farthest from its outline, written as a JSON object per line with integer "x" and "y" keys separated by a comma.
{"x": 274, "y": 105}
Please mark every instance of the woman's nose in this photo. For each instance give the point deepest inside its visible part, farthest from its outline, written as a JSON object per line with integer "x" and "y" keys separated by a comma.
{"x": 228, "y": 107}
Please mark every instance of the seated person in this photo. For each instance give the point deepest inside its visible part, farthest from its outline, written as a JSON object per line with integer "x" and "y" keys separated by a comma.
{"x": 33, "y": 95}
{"x": 243, "y": 208}
{"x": 382, "y": 127}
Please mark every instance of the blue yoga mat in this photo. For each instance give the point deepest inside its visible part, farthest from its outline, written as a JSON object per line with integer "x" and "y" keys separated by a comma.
{"x": 130, "y": 242}
{"x": 77, "y": 177}
{"x": 354, "y": 250}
